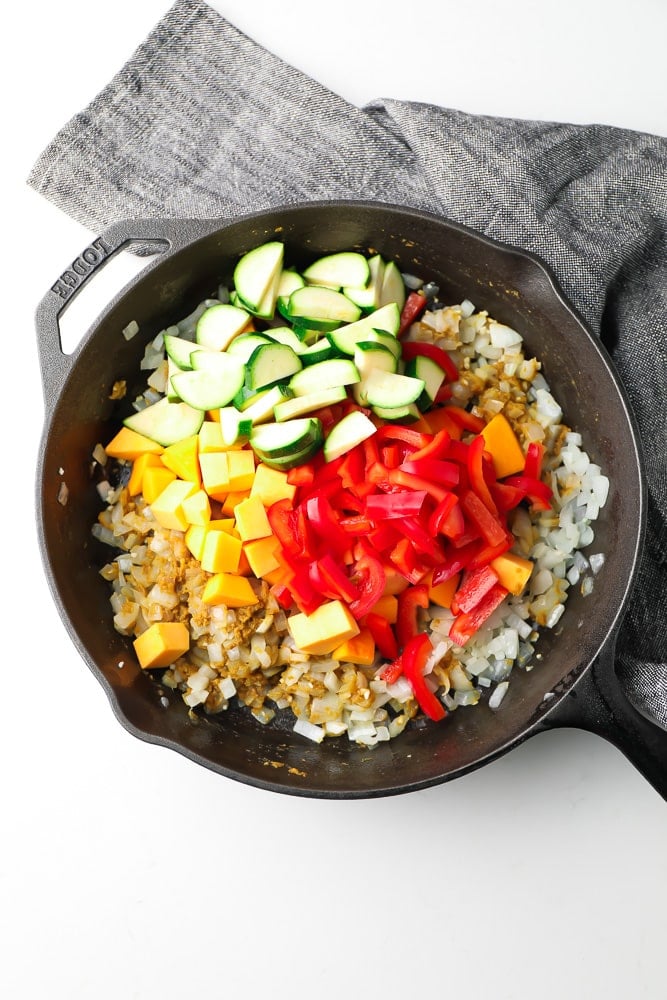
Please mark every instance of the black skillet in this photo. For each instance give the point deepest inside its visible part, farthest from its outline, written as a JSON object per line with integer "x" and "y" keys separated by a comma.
{"x": 574, "y": 682}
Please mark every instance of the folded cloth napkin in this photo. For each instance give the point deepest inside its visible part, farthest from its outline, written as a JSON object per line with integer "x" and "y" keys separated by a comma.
{"x": 202, "y": 122}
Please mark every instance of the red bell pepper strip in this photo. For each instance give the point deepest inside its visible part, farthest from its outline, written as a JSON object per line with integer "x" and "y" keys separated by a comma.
{"x": 466, "y": 624}
{"x": 414, "y": 348}
{"x": 415, "y": 655}
{"x": 441, "y": 513}
{"x": 383, "y": 536}
{"x": 404, "y": 558}
{"x": 282, "y": 594}
{"x": 421, "y": 540}
{"x": 322, "y": 517}
{"x": 534, "y": 456}
{"x": 370, "y": 580}
{"x": 476, "y": 473}
{"x": 397, "y": 432}
{"x": 474, "y": 586}
{"x": 400, "y": 478}
{"x": 383, "y": 635}
{"x": 455, "y": 561}
{"x": 437, "y": 447}
{"x": 506, "y": 497}
{"x": 442, "y": 472}
{"x": 392, "y": 671}
{"x": 351, "y": 469}
{"x": 414, "y": 306}
{"x": 482, "y": 518}
{"x": 336, "y": 580}
{"x": 289, "y": 526}
{"x": 465, "y": 420}
{"x": 534, "y": 489}
{"x": 357, "y": 524}
{"x": 382, "y": 506}
{"x": 391, "y": 456}
{"x": 406, "y": 620}
{"x": 485, "y": 553}
{"x": 301, "y": 475}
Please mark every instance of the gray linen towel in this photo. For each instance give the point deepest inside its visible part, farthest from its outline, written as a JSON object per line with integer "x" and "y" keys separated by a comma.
{"x": 203, "y": 122}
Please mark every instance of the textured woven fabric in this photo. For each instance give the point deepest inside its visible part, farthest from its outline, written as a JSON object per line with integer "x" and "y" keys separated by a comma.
{"x": 202, "y": 122}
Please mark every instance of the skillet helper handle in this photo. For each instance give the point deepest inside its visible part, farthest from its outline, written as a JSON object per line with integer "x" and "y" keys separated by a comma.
{"x": 598, "y": 705}
{"x": 162, "y": 236}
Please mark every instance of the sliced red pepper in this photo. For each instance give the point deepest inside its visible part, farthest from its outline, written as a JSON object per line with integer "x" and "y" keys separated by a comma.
{"x": 486, "y": 553}
{"x": 422, "y": 541}
{"x": 392, "y": 671}
{"x": 414, "y": 306}
{"x": 391, "y": 456}
{"x": 474, "y": 586}
{"x": 382, "y": 506}
{"x": 455, "y": 561}
{"x": 383, "y": 635}
{"x": 409, "y": 601}
{"x": 400, "y": 478}
{"x": 442, "y": 512}
{"x": 414, "y": 348}
{"x": 506, "y": 497}
{"x": 415, "y": 656}
{"x": 489, "y": 525}
{"x": 441, "y": 472}
{"x": 336, "y": 579}
{"x": 404, "y": 558}
{"x": 466, "y": 624}
{"x": 290, "y": 528}
{"x": 383, "y": 536}
{"x": 458, "y": 452}
{"x": 534, "y": 489}
{"x": 534, "y": 456}
{"x": 476, "y": 473}
{"x": 370, "y": 577}
{"x": 437, "y": 447}
{"x": 357, "y": 524}
{"x": 351, "y": 469}
{"x": 397, "y": 432}
{"x": 305, "y": 597}
{"x": 443, "y": 395}
{"x": 301, "y": 475}
{"x": 466, "y": 421}
{"x": 371, "y": 451}
{"x": 283, "y": 595}
{"x": 322, "y": 517}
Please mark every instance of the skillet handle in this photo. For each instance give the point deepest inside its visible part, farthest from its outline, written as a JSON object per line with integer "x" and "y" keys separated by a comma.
{"x": 159, "y": 236}
{"x": 598, "y": 705}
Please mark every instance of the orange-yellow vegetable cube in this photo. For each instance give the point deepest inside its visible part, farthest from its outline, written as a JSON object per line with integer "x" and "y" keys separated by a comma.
{"x": 261, "y": 554}
{"x": 168, "y": 507}
{"x": 195, "y": 537}
{"x": 503, "y": 445}
{"x": 210, "y": 437}
{"x": 154, "y": 480}
{"x": 442, "y": 593}
{"x": 229, "y": 589}
{"x": 271, "y": 485}
{"x": 183, "y": 459}
{"x": 227, "y": 524}
{"x": 241, "y": 470}
{"x": 222, "y": 552}
{"x": 135, "y": 483}
{"x": 161, "y": 644}
{"x": 324, "y": 630}
{"x": 215, "y": 473}
{"x": 197, "y": 508}
{"x": 251, "y": 519}
{"x": 359, "y": 649}
{"x": 512, "y": 571}
{"x": 232, "y": 499}
{"x": 387, "y": 607}
{"x": 128, "y": 444}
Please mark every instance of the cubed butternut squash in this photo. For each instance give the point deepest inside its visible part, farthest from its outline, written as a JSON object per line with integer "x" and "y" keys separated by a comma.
{"x": 135, "y": 484}
{"x": 324, "y": 630}
{"x": 513, "y": 571}
{"x": 195, "y": 537}
{"x": 215, "y": 473}
{"x": 168, "y": 507}
{"x": 154, "y": 480}
{"x": 182, "y": 457}
{"x": 251, "y": 519}
{"x": 387, "y": 607}
{"x": 210, "y": 437}
{"x": 128, "y": 445}
{"x": 197, "y": 508}
{"x": 229, "y": 589}
{"x": 261, "y": 555}
{"x": 358, "y": 649}
{"x": 232, "y": 500}
{"x": 222, "y": 552}
{"x": 241, "y": 470}
{"x": 443, "y": 593}
{"x": 161, "y": 644}
{"x": 271, "y": 485}
{"x": 503, "y": 445}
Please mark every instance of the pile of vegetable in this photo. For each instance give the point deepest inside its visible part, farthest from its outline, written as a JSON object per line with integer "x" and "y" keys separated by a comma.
{"x": 305, "y": 437}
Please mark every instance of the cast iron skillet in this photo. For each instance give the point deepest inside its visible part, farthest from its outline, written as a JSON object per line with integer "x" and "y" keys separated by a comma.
{"x": 575, "y": 683}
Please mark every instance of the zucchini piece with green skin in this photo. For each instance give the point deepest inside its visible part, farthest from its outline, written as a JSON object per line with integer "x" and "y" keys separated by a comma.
{"x": 219, "y": 325}
{"x": 393, "y": 286}
{"x": 288, "y": 283}
{"x": 214, "y": 381}
{"x": 368, "y": 357}
{"x": 259, "y": 408}
{"x": 284, "y": 441}
{"x": 368, "y": 298}
{"x": 179, "y": 350}
{"x": 329, "y": 374}
{"x": 320, "y": 308}
{"x": 289, "y": 409}
{"x": 166, "y": 422}
{"x": 271, "y": 363}
{"x": 354, "y": 428}
{"x": 235, "y": 427}
{"x": 256, "y": 278}
{"x": 321, "y": 350}
{"x": 338, "y": 269}
{"x": 431, "y": 374}
{"x": 398, "y": 414}
{"x": 173, "y": 369}
{"x": 243, "y": 346}
{"x": 346, "y": 338}
{"x": 387, "y": 340}
{"x": 291, "y": 461}
{"x": 389, "y": 390}
{"x": 285, "y": 335}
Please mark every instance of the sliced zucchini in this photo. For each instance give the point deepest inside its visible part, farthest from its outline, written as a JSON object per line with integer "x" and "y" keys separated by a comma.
{"x": 243, "y": 346}
{"x": 213, "y": 383}
{"x": 289, "y": 282}
{"x": 166, "y": 422}
{"x": 329, "y": 374}
{"x": 284, "y": 335}
{"x": 179, "y": 350}
{"x": 345, "y": 338}
{"x": 339, "y": 269}
{"x": 393, "y": 286}
{"x": 368, "y": 298}
{"x": 271, "y": 363}
{"x": 276, "y": 441}
{"x": 235, "y": 427}
{"x": 259, "y": 407}
{"x": 256, "y": 278}
{"x": 172, "y": 369}
{"x": 387, "y": 389}
{"x": 431, "y": 374}
{"x": 217, "y": 326}
{"x": 369, "y": 356}
{"x": 289, "y": 409}
{"x": 320, "y": 308}
{"x": 387, "y": 340}
{"x": 287, "y": 462}
{"x": 347, "y": 434}
{"x": 398, "y": 414}
{"x": 321, "y": 350}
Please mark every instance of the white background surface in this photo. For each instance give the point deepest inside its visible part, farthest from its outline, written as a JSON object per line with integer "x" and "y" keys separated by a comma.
{"x": 129, "y": 872}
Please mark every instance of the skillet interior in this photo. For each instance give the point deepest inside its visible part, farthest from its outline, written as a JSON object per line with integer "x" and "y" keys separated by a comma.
{"x": 514, "y": 289}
